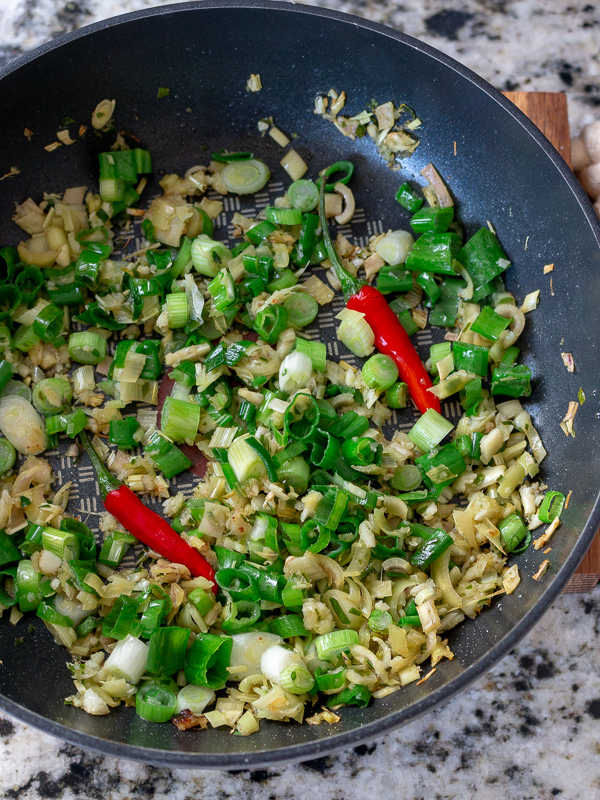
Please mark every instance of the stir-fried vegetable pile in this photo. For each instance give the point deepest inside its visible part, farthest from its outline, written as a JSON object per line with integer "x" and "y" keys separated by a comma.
{"x": 322, "y": 552}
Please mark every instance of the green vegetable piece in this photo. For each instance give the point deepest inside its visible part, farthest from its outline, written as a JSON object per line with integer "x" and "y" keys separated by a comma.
{"x": 207, "y": 661}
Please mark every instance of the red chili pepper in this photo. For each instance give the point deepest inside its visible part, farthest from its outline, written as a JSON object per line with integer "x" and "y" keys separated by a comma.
{"x": 392, "y": 340}
{"x": 146, "y": 525}
{"x": 390, "y": 336}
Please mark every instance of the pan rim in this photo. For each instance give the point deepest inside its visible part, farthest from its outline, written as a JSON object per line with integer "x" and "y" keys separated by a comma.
{"x": 390, "y": 722}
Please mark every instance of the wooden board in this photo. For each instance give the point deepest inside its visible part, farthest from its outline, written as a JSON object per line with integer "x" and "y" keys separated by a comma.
{"x": 548, "y": 110}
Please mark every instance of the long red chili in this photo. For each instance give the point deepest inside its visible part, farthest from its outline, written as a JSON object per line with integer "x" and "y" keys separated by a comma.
{"x": 143, "y": 523}
{"x": 392, "y": 340}
{"x": 390, "y": 336}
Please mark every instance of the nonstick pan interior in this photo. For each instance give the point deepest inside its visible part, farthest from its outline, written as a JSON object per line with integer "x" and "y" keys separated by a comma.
{"x": 503, "y": 171}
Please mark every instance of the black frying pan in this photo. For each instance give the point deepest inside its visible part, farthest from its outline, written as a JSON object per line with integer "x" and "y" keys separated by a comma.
{"x": 504, "y": 171}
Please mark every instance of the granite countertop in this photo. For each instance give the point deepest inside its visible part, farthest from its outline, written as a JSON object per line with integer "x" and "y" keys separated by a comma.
{"x": 527, "y": 729}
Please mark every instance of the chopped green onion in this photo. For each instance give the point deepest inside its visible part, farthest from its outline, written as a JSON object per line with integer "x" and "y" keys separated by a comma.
{"x": 489, "y": 324}
{"x": 473, "y": 393}
{"x": 167, "y": 457}
{"x": 408, "y": 198}
{"x": 431, "y": 549}
{"x": 29, "y": 591}
{"x": 302, "y": 417}
{"x": 434, "y": 252}
{"x": 285, "y": 280}
{"x": 48, "y": 613}
{"x": 288, "y": 626}
{"x": 9, "y": 552}
{"x": 303, "y": 195}
{"x": 316, "y": 351}
{"x": 150, "y": 348}
{"x": 441, "y": 467}
{"x": 270, "y": 323}
{"x": 114, "y": 548}
{"x": 356, "y": 333}
{"x": 484, "y": 260}
{"x": 62, "y": 543}
{"x": 512, "y": 381}
{"x": 180, "y": 420}
{"x": 223, "y": 290}
{"x": 296, "y": 678}
{"x": 330, "y": 508}
{"x": 380, "y": 372}
{"x": 119, "y": 621}
{"x": 347, "y": 170}
{"x": 194, "y": 698}
{"x": 301, "y": 309}
{"x": 379, "y": 621}
{"x": 432, "y": 220}
{"x": 48, "y": 323}
{"x": 471, "y": 357}
{"x": 356, "y": 696}
{"x": 177, "y": 310}
{"x": 394, "y": 248}
{"x": 331, "y": 645}
{"x": 295, "y": 371}
{"x": 245, "y": 177}
{"x": 429, "y": 430}
{"x": 155, "y": 702}
{"x": 329, "y": 681}
{"x": 437, "y": 353}
{"x": 87, "y": 347}
{"x": 406, "y": 478}
{"x": 303, "y": 251}
{"x": 201, "y": 600}
{"x": 552, "y": 506}
{"x": 258, "y": 233}
{"x": 207, "y": 661}
{"x": 121, "y": 432}
{"x": 512, "y": 532}
{"x": 128, "y": 659}
{"x": 284, "y": 216}
{"x": 168, "y": 647}
{"x": 428, "y": 283}
{"x": 361, "y": 452}
{"x": 392, "y": 279}
{"x": 349, "y": 425}
{"x": 52, "y": 395}
{"x": 241, "y": 616}
{"x": 245, "y": 461}
{"x": 264, "y": 457}
{"x": 208, "y": 256}
{"x": 510, "y": 356}
{"x": 295, "y": 473}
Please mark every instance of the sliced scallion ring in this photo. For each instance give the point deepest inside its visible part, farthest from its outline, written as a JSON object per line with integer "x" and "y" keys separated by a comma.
{"x": 245, "y": 177}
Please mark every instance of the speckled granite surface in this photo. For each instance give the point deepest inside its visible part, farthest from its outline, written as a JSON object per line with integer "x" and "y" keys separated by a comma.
{"x": 529, "y": 729}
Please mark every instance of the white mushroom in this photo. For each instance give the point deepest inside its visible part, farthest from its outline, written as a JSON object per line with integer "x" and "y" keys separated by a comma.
{"x": 580, "y": 157}
{"x": 590, "y": 136}
{"x": 349, "y": 204}
{"x": 589, "y": 178}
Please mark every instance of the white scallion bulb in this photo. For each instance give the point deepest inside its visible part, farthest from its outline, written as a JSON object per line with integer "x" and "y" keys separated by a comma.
{"x": 276, "y": 659}
{"x": 394, "y": 247}
{"x": 295, "y": 372}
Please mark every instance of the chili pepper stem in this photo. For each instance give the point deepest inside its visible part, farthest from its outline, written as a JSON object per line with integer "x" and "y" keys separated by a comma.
{"x": 106, "y": 481}
{"x": 350, "y": 285}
